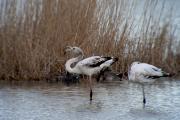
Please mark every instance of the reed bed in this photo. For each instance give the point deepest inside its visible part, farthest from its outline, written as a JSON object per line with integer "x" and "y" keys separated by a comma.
{"x": 33, "y": 34}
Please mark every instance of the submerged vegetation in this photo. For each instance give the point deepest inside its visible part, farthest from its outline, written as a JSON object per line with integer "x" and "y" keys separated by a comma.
{"x": 33, "y": 34}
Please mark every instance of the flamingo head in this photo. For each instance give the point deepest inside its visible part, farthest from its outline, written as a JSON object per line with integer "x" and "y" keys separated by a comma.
{"x": 74, "y": 50}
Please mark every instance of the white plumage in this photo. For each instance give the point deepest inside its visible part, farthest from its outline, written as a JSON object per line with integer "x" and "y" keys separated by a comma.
{"x": 93, "y": 65}
{"x": 144, "y": 73}
{"x": 88, "y": 66}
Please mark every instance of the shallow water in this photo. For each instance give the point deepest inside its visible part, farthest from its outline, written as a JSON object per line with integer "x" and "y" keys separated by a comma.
{"x": 111, "y": 101}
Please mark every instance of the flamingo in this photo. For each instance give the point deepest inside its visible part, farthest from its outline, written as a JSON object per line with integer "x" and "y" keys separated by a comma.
{"x": 144, "y": 73}
{"x": 88, "y": 66}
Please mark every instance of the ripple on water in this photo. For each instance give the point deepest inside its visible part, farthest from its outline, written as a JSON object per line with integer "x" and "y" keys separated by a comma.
{"x": 111, "y": 101}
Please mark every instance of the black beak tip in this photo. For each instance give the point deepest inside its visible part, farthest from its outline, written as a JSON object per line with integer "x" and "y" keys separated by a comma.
{"x": 64, "y": 52}
{"x": 116, "y": 59}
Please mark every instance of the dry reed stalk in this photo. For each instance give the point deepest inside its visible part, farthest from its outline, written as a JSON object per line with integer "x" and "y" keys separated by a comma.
{"x": 32, "y": 38}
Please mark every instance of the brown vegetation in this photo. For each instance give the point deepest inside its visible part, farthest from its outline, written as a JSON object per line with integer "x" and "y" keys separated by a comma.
{"x": 33, "y": 34}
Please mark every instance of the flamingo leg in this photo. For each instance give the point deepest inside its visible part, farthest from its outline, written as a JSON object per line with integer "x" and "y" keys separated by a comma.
{"x": 90, "y": 84}
{"x": 144, "y": 97}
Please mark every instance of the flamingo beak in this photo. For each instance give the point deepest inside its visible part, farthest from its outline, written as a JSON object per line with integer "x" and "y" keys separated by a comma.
{"x": 65, "y": 52}
{"x": 116, "y": 59}
{"x": 67, "y": 49}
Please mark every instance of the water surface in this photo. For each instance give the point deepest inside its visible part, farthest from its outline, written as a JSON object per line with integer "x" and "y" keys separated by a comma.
{"x": 112, "y": 101}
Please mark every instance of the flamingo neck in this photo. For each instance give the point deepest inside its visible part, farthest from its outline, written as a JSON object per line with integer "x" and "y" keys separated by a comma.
{"x": 71, "y": 61}
{"x": 131, "y": 75}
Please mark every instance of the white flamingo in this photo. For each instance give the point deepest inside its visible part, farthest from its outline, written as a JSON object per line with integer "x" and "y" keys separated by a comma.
{"x": 144, "y": 73}
{"x": 88, "y": 66}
